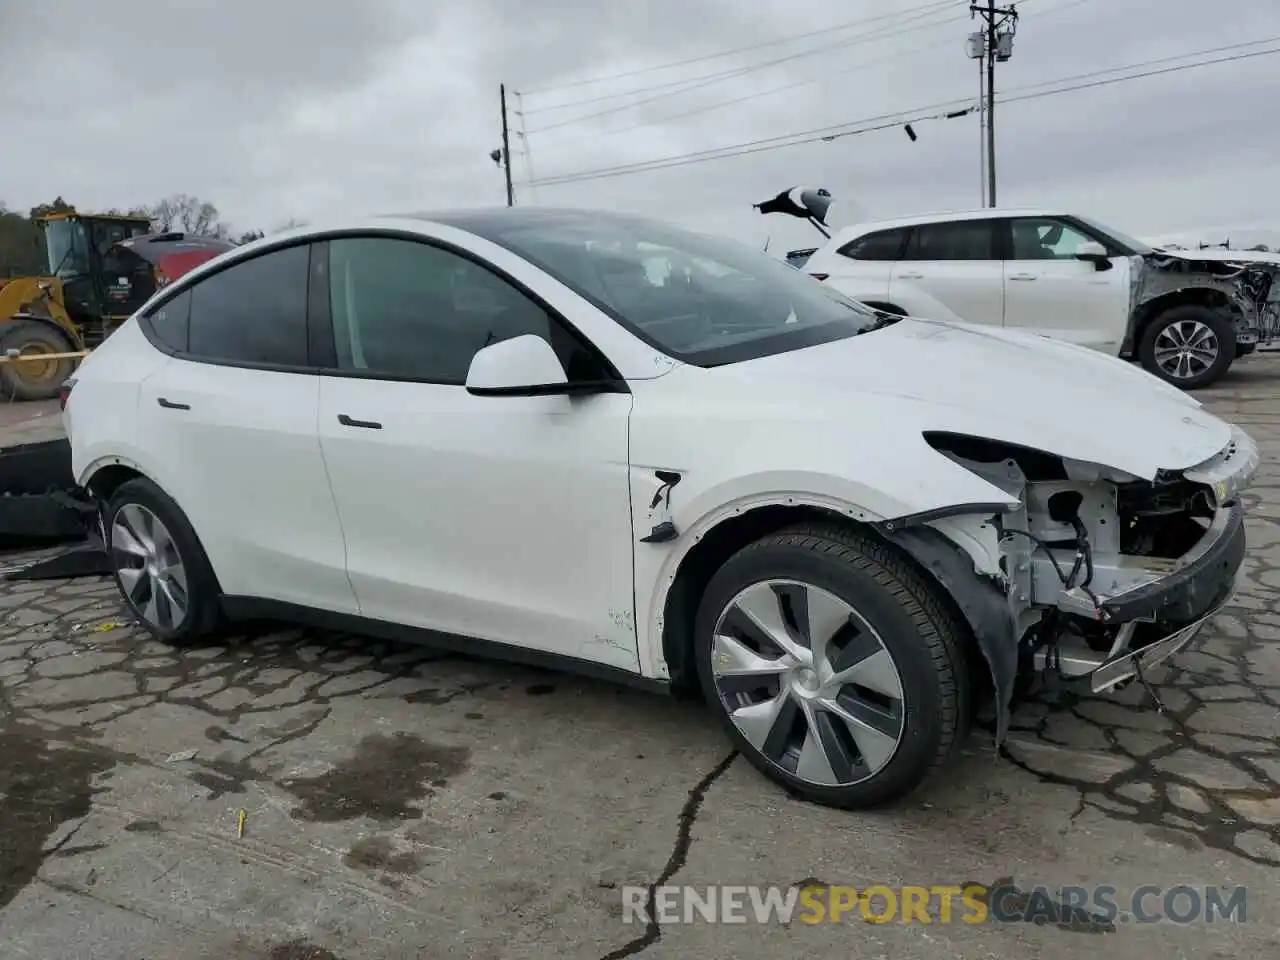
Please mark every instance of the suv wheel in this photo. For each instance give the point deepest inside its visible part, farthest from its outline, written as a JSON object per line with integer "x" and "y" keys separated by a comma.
{"x": 835, "y": 667}
{"x": 159, "y": 565}
{"x": 1189, "y": 346}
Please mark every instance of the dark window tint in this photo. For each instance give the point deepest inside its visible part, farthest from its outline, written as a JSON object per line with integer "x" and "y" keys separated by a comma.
{"x": 169, "y": 322}
{"x": 883, "y": 245}
{"x": 413, "y": 310}
{"x": 254, "y": 312}
{"x": 958, "y": 240}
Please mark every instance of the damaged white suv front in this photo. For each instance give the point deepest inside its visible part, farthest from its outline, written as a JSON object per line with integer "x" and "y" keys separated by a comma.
{"x": 1103, "y": 574}
{"x": 983, "y": 507}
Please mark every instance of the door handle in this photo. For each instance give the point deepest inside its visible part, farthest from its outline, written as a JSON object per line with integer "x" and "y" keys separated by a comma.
{"x": 170, "y": 405}
{"x": 911, "y": 276}
{"x": 1022, "y": 276}
{"x": 352, "y": 422}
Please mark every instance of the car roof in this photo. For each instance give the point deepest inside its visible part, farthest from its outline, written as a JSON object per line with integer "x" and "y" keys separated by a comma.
{"x": 988, "y": 213}
{"x": 481, "y": 220}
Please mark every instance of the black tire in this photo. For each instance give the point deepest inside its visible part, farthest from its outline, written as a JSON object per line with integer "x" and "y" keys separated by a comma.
{"x": 33, "y": 381}
{"x": 914, "y": 625}
{"x": 1223, "y": 329}
{"x": 1244, "y": 349}
{"x": 203, "y": 613}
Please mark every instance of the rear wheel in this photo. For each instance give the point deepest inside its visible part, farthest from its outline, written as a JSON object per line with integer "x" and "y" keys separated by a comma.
{"x": 159, "y": 564}
{"x": 1188, "y": 346}
{"x": 835, "y": 667}
{"x": 34, "y": 379}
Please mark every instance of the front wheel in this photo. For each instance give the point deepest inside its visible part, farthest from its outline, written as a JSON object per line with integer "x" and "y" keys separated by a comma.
{"x": 1188, "y": 346}
{"x": 835, "y": 667}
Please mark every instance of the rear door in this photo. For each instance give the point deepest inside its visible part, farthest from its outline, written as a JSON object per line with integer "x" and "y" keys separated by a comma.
{"x": 233, "y": 414}
{"x": 1049, "y": 291}
{"x": 861, "y": 268}
{"x": 951, "y": 271}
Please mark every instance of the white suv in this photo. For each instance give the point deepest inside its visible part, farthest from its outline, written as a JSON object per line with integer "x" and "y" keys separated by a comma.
{"x": 1184, "y": 315}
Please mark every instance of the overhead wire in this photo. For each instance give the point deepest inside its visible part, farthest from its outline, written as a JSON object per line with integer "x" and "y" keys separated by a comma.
{"x": 759, "y": 94}
{"x": 687, "y": 84}
{"x": 916, "y": 115}
{"x": 834, "y": 28}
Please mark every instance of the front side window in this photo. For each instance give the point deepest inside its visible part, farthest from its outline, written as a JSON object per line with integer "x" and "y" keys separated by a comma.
{"x": 406, "y": 309}
{"x": 701, "y": 299}
{"x": 956, "y": 240}
{"x": 1045, "y": 238}
{"x": 253, "y": 312}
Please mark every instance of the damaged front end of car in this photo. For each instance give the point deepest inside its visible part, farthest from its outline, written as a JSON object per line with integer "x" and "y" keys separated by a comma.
{"x": 1096, "y": 575}
{"x": 1247, "y": 290}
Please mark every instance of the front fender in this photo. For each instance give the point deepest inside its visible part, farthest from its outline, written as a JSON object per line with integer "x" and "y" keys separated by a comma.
{"x": 658, "y": 563}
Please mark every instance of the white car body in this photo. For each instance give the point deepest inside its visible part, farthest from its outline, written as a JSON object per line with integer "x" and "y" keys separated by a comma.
{"x": 531, "y": 521}
{"x": 987, "y": 267}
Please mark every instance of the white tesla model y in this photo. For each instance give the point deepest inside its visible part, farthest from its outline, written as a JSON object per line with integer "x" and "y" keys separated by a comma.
{"x": 653, "y": 455}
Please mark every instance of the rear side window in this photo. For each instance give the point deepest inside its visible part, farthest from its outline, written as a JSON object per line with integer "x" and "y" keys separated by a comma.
{"x": 253, "y": 312}
{"x": 169, "y": 322}
{"x": 958, "y": 240}
{"x": 881, "y": 245}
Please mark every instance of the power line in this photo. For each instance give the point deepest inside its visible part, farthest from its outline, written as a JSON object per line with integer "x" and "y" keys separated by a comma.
{"x": 847, "y": 25}
{"x": 675, "y": 87}
{"x": 839, "y": 131}
{"x": 834, "y": 132}
{"x": 760, "y": 94}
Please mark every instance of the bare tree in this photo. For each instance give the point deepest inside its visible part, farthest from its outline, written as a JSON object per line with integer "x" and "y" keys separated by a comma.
{"x": 187, "y": 214}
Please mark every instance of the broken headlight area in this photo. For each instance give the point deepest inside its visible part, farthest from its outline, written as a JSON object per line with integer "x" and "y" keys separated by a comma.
{"x": 1106, "y": 574}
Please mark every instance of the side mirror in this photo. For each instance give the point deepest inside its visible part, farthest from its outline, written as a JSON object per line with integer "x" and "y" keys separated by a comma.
{"x": 1094, "y": 253}
{"x": 523, "y": 366}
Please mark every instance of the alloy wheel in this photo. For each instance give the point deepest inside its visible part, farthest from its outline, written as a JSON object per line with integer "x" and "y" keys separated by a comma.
{"x": 151, "y": 571}
{"x": 808, "y": 682}
{"x": 1186, "y": 348}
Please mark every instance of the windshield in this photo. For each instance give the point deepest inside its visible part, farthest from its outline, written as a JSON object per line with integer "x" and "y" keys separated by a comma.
{"x": 67, "y": 247}
{"x": 700, "y": 299}
{"x": 1135, "y": 246}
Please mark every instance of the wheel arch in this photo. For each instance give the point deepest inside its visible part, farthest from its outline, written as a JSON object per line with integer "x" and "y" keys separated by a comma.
{"x": 103, "y": 478}
{"x": 940, "y": 563}
{"x": 1208, "y": 297}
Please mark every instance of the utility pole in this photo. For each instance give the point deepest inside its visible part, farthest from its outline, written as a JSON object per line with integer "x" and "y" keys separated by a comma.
{"x": 991, "y": 45}
{"x": 506, "y": 145}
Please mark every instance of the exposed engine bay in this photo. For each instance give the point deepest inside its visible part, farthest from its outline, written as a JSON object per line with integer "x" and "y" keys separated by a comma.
{"x": 1248, "y": 288}
{"x": 1101, "y": 574}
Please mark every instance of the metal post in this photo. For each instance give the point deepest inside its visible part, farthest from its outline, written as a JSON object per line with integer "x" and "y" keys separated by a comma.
{"x": 991, "y": 103}
{"x": 506, "y": 145}
{"x": 982, "y": 129}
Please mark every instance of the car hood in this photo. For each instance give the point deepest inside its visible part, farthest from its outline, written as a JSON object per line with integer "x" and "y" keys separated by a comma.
{"x": 1229, "y": 256}
{"x": 1001, "y": 385}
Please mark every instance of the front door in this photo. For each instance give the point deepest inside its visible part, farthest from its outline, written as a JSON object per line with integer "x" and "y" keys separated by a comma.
{"x": 500, "y": 518}
{"x": 1048, "y": 291}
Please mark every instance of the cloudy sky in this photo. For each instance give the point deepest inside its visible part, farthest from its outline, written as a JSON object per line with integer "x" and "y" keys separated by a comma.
{"x": 278, "y": 109}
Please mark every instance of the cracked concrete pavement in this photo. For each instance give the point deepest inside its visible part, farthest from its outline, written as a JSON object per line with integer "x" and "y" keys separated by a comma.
{"x": 403, "y": 803}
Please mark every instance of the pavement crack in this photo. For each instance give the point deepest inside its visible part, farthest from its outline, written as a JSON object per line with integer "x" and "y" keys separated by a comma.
{"x": 675, "y": 863}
